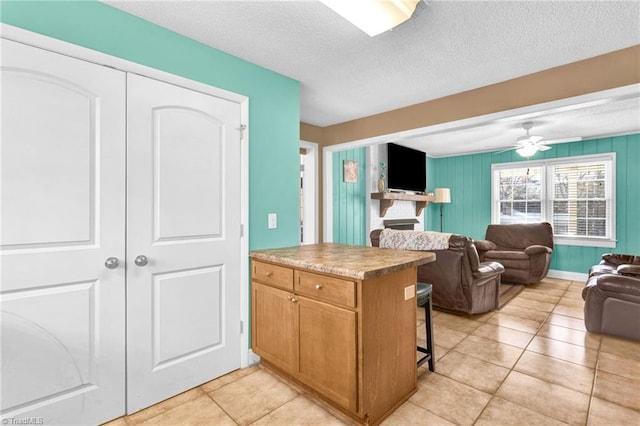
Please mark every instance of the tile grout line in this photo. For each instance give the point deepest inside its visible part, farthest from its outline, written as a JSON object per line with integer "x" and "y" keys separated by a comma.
{"x": 222, "y": 408}
{"x": 512, "y": 369}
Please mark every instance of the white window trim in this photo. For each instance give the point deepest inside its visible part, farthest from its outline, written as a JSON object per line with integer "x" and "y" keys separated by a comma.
{"x": 609, "y": 242}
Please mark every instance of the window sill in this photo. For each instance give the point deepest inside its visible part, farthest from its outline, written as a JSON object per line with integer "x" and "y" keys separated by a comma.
{"x": 584, "y": 242}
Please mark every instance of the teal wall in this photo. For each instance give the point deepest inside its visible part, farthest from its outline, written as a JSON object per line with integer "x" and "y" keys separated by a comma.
{"x": 469, "y": 177}
{"x": 274, "y": 114}
{"x": 349, "y": 199}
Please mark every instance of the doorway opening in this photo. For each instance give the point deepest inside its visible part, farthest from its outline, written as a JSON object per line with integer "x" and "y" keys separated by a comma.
{"x": 308, "y": 192}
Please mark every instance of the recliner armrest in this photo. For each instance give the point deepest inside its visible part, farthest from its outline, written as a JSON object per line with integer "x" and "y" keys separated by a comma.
{"x": 618, "y": 284}
{"x": 535, "y": 249}
{"x": 488, "y": 269}
{"x": 628, "y": 269}
{"x": 484, "y": 245}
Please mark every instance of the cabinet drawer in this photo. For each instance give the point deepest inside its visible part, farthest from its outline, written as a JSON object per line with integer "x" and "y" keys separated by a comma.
{"x": 325, "y": 288}
{"x": 277, "y": 276}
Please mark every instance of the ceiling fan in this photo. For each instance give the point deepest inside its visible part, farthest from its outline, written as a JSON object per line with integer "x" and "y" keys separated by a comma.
{"x": 527, "y": 145}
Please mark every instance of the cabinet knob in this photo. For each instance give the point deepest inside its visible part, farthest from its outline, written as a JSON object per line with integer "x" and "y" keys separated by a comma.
{"x": 268, "y": 274}
{"x": 318, "y": 286}
{"x": 291, "y": 298}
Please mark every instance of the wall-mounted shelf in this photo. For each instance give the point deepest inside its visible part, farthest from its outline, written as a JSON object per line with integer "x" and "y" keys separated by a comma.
{"x": 388, "y": 198}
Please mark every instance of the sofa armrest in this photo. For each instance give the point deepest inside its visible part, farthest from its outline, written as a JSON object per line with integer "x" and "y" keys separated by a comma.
{"x": 375, "y": 237}
{"x": 488, "y": 269}
{"x": 536, "y": 249}
{"x": 484, "y": 245}
{"x": 628, "y": 269}
{"x": 618, "y": 284}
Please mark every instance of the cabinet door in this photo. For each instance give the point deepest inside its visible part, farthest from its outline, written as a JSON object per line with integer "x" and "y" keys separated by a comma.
{"x": 328, "y": 350}
{"x": 274, "y": 325}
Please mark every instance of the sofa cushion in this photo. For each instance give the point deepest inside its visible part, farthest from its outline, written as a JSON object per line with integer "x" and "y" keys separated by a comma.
{"x": 506, "y": 255}
{"x": 628, "y": 269}
{"x": 519, "y": 236}
{"x": 619, "y": 259}
{"x": 602, "y": 268}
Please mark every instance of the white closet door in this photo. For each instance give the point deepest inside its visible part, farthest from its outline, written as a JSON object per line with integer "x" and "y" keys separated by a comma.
{"x": 183, "y": 215}
{"x": 62, "y": 215}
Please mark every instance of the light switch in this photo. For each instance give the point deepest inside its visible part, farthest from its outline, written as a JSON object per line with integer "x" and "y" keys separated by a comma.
{"x": 409, "y": 292}
{"x": 273, "y": 220}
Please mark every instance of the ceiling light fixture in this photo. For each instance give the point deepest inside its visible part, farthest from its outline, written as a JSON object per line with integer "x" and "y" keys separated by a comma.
{"x": 373, "y": 16}
{"x": 527, "y": 150}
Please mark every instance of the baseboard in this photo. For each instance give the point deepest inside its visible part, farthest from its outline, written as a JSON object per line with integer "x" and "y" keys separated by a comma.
{"x": 254, "y": 358}
{"x": 566, "y": 275}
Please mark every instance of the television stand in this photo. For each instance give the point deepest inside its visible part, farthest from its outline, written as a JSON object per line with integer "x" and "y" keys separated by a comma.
{"x": 388, "y": 198}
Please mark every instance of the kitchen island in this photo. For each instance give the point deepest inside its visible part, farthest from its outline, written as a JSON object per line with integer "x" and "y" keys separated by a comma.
{"x": 339, "y": 321}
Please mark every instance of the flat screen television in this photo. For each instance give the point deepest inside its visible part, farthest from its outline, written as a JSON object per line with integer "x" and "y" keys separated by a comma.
{"x": 406, "y": 169}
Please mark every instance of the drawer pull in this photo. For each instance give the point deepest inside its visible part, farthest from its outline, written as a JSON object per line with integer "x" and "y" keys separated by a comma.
{"x": 318, "y": 286}
{"x": 268, "y": 274}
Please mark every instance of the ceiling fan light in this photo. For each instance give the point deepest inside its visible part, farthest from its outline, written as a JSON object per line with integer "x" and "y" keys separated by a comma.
{"x": 527, "y": 150}
{"x": 373, "y": 16}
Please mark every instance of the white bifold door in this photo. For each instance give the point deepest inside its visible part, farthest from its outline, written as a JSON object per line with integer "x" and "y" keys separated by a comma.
{"x": 119, "y": 238}
{"x": 183, "y": 239}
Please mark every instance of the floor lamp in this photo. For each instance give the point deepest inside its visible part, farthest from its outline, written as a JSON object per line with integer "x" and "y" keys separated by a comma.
{"x": 442, "y": 196}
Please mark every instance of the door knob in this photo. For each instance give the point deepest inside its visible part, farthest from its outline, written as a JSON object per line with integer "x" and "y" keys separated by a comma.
{"x": 141, "y": 260}
{"x": 112, "y": 263}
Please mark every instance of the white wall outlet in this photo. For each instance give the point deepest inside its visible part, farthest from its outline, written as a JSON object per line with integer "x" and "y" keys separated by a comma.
{"x": 273, "y": 220}
{"x": 409, "y": 292}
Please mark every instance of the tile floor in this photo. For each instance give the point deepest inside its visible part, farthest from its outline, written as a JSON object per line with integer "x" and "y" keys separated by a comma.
{"x": 530, "y": 363}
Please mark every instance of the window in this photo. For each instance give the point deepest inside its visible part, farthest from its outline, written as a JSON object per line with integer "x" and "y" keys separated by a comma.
{"x": 520, "y": 195}
{"x": 574, "y": 194}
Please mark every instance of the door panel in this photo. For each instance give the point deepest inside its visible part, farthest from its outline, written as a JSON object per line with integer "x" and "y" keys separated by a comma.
{"x": 188, "y": 206}
{"x": 62, "y": 184}
{"x": 183, "y": 213}
{"x": 174, "y": 313}
{"x": 60, "y": 148}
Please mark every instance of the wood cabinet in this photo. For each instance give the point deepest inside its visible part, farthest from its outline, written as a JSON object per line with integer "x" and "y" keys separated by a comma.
{"x": 318, "y": 329}
{"x": 328, "y": 342}
{"x": 274, "y": 331}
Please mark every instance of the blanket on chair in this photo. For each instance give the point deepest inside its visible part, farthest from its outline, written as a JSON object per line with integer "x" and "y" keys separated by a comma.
{"x": 414, "y": 240}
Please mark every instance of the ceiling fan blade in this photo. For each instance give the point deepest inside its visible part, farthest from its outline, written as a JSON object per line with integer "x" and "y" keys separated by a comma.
{"x": 563, "y": 140}
{"x": 505, "y": 150}
{"x": 535, "y": 139}
{"x": 543, "y": 147}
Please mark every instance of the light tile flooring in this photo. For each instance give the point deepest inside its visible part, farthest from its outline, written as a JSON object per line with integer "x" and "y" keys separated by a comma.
{"x": 530, "y": 363}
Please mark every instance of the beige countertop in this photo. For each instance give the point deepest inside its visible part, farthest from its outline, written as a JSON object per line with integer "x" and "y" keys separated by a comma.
{"x": 357, "y": 262}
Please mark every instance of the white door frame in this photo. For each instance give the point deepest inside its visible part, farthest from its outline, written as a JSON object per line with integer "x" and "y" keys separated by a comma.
{"x": 20, "y": 35}
{"x": 310, "y": 183}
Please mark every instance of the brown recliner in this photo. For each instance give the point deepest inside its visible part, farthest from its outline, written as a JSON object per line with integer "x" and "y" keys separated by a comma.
{"x": 524, "y": 249}
{"x": 612, "y": 296}
{"x": 460, "y": 281}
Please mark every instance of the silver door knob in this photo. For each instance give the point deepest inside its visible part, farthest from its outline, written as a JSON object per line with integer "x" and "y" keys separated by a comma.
{"x": 112, "y": 263}
{"x": 141, "y": 260}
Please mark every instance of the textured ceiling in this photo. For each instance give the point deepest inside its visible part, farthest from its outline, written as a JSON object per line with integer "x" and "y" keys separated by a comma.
{"x": 446, "y": 47}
